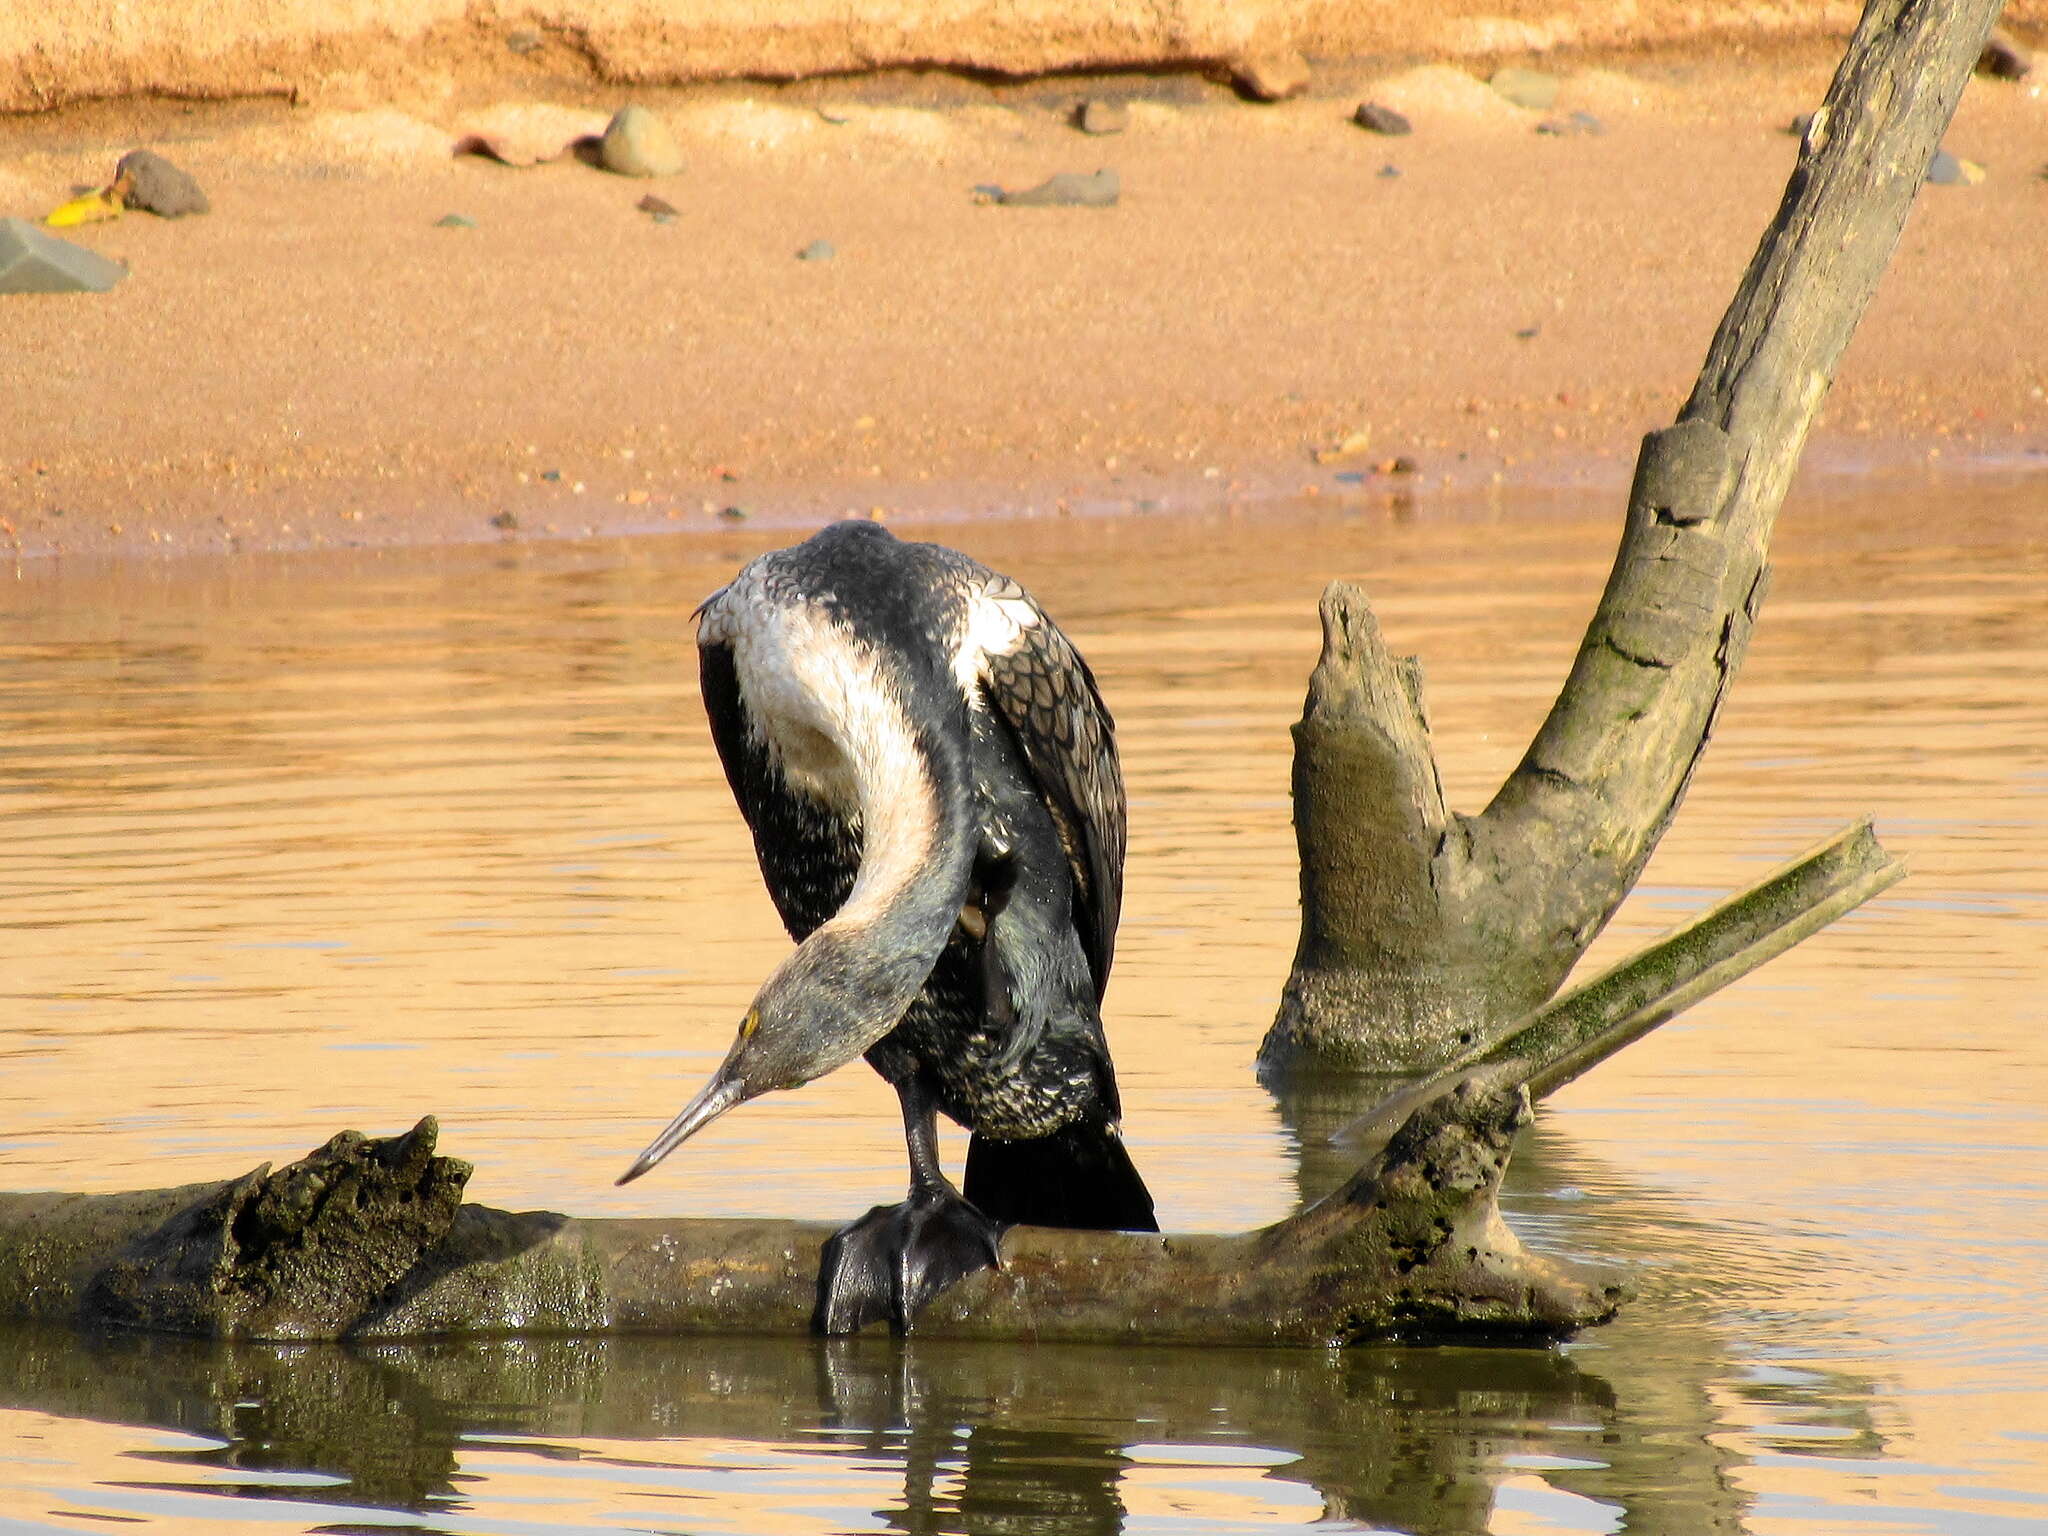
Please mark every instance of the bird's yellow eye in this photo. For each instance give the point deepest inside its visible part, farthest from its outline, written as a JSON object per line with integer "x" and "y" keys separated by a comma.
{"x": 750, "y": 1023}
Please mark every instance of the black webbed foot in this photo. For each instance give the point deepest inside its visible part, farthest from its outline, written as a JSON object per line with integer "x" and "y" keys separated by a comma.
{"x": 896, "y": 1258}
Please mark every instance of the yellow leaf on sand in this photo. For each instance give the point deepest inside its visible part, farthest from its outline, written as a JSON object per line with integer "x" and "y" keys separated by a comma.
{"x": 93, "y": 206}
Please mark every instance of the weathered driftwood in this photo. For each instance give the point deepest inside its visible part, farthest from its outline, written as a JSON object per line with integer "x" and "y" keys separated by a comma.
{"x": 365, "y": 1239}
{"x": 1575, "y": 1032}
{"x": 1426, "y": 933}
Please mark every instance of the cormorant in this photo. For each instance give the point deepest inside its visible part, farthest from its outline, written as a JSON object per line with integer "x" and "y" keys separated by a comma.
{"x": 932, "y": 783}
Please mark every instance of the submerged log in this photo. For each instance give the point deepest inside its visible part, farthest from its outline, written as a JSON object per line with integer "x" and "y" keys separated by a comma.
{"x": 366, "y": 1239}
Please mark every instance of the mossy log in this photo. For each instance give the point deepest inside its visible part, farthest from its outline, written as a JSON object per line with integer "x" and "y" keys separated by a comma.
{"x": 1426, "y": 933}
{"x": 368, "y": 1239}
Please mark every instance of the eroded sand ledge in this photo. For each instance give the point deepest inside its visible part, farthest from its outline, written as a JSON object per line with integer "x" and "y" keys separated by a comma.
{"x": 306, "y": 49}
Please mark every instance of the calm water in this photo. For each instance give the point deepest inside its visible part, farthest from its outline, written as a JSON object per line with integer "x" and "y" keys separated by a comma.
{"x": 301, "y": 843}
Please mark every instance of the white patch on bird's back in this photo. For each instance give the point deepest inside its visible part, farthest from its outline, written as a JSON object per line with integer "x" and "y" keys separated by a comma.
{"x": 997, "y": 616}
{"x": 832, "y": 717}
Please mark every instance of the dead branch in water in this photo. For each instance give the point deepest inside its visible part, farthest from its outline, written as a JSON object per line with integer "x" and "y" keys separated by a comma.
{"x": 367, "y": 1239}
{"x": 1426, "y": 933}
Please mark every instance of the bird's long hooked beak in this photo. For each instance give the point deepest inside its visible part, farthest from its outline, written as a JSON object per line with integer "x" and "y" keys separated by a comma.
{"x": 718, "y": 1095}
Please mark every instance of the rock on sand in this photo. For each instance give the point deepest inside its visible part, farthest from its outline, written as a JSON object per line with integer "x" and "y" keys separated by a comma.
{"x": 637, "y": 143}
{"x": 152, "y": 183}
{"x": 34, "y": 262}
{"x": 1375, "y": 118}
{"x": 1270, "y": 75}
{"x": 1530, "y": 88}
{"x": 1069, "y": 189}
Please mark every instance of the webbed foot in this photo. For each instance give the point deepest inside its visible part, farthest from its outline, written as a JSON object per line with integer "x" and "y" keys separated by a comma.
{"x": 898, "y": 1257}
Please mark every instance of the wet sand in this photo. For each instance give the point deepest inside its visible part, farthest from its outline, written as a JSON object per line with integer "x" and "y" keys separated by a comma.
{"x": 317, "y": 363}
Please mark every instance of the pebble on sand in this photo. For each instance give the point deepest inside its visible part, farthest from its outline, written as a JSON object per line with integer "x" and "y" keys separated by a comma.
{"x": 1530, "y": 88}
{"x": 1567, "y": 127}
{"x": 1102, "y": 117}
{"x": 1273, "y": 75}
{"x": 658, "y": 206}
{"x": 507, "y": 520}
{"x": 2004, "y": 58}
{"x": 818, "y": 250}
{"x": 146, "y": 180}
{"x": 637, "y": 143}
{"x": 1069, "y": 189}
{"x": 34, "y": 262}
{"x": 1947, "y": 170}
{"x": 454, "y": 221}
{"x": 1375, "y": 118}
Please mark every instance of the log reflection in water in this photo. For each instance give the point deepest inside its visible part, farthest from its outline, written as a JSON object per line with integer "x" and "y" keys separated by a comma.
{"x": 1416, "y": 1441}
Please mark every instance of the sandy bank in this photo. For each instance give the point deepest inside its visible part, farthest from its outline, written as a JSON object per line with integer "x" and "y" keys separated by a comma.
{"x": 317, "y": 361}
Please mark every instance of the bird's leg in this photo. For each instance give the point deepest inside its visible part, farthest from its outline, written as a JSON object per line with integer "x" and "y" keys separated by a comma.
{"x": 898, "y": 1257}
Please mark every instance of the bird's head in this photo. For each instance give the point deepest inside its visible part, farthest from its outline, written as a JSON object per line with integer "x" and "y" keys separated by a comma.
{"x": 823, "y": 1006}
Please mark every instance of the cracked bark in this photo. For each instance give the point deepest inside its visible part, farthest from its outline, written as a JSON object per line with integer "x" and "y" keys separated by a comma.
{"x": 1426, "y": 933}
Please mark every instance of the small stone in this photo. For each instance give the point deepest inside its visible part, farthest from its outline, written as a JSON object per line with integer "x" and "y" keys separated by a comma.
{"x": 1529, "y": 333}
{"x": 1530, "y": 88}
{"x": 1374, "y": 118}
{"x": 1568, "y": 127}
{"x": 1799, "y": 124}
{"x": 454, "y": 221}
{"x": 1400, "y": 464}
{"x": 1351, "y": 447}
{"x": 658, "y": 206}
{"x": 551, "y": 475}
{"x": 637, "y": 143}
{"x": 1388, "y": 171}
{"x": 1271, "y": 75}
{"x": 817, "y": 250}
{"x": 733, "y": 514}
{"x": 1069, "y": 189}
{"x": 150, "y": 182}
{"x": 507, "y": 520}
{"x": 524, "y": 40}
{"x": 2003, "y": 58}
{"x": 34, "y": 262}
{"x": 1103, "y": 117}
{"x": 1947, "y": 170}
{"x": 838, "y": 117}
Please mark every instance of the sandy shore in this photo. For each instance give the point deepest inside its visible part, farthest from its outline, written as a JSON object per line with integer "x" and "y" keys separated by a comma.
{"x": 317, "y": 362}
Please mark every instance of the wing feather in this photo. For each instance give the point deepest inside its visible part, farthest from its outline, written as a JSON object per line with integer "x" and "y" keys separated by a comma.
{"x": 1043, "y": 690}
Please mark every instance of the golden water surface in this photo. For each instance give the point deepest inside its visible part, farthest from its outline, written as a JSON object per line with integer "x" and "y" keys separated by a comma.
{"x": 296, "y": 843}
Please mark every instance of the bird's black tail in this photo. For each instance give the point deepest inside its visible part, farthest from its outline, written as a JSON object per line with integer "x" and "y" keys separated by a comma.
{"x": 1080, "y": 1176}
